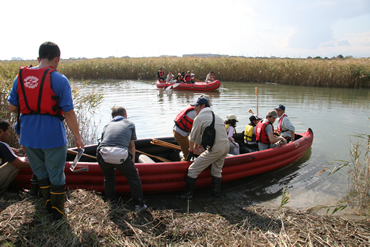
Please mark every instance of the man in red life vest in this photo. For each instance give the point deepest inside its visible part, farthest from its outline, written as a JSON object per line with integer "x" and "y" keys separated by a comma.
{"x": 160, "y": 74}
{"x": 183, "y": 125}
{"x": 44, "y": 98}
{"x": 265, "y": 132}
{"x": 285, "y": 127}
{"x": 187, "y": 77}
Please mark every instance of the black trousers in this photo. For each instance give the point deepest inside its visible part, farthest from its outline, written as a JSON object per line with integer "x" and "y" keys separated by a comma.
{"x": 128, "y": 170}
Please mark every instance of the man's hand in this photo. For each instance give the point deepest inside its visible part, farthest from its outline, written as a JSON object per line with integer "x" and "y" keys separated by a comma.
{"x": 79, "y": 144}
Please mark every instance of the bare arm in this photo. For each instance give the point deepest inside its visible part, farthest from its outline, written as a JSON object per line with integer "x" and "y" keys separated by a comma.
{"x": 275, "y": 139}
{"x": 20, "y": 163}
{"x": 13, "y": 108}
{"x": 71, "y": 119}
{"x": 293, "y": 135}
{"x": 131, "y": 148}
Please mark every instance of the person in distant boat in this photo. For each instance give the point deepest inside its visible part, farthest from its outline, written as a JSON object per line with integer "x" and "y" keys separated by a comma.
{"x": 183, "y": 76}
{"x": 178, "y": 78}
{"x": 169, "y": 76}
{"x": 116, "y": 151}
{"x": 193, "y": 79}
{"x": 285, "y": 127}
{"x": 214, "y": 154}
{"x": 230, "y": 125}
{"x": 10, "y": 163}
{"x": 160, "y": 74}
{"x": 250, "y": 143}
{"x": 265, "y": 132}
{"x": 187, "y": 77}
{"x": 42, "y": 130}
{"x": 210, "y": 77}
{"x": 182, "y": 128}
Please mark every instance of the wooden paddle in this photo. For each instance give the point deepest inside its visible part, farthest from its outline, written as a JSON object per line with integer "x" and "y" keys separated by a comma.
{"x": 165, "y": 144}
{"x": 157, "y": 157}
{"x": 74, "y": 152}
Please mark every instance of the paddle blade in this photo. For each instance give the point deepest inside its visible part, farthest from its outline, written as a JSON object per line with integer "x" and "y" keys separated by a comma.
{"x": 250, "y": 111}
{"x": 77, "y": 158}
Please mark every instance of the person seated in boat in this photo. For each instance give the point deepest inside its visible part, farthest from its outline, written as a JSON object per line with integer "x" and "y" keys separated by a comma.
{"x": 210, "y": 77}
{"x": 10, "y": 163}
{"x": 193, "y": 79}
{"x": 116, "y": 151}
{"x": 160, "y": 75}
{"x": 183, "y": 76}
{"x": 250, "y": 143}
{"x": 178, "y": 78}
{"x": 169, "y": 76}
{"x": 285, "y": 127}
{"x": 183, "y": 124}
{"x": 187, "y": 77}
{"x": 265, "y": 132}
{"x": 209, "y": 128}
{"x": 230, "y": 124}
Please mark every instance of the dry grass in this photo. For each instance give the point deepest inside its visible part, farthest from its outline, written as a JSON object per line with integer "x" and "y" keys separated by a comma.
{"x": 353, "y": 73}
{"x": 90, "y": 222}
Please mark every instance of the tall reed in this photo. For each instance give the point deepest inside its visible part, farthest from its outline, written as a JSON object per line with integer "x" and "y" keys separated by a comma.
{"x": 353, "y": 73}
{"x": 358, "y": 175}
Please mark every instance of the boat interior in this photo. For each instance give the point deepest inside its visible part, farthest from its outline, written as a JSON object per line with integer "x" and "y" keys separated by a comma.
{"x": 154, "y": 150}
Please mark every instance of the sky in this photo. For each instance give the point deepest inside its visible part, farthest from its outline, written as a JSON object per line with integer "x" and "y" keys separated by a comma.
{"x": 143, "y": 28}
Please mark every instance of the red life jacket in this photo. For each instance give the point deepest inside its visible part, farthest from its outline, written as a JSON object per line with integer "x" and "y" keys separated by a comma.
{"x": 280, "y": 121}
{"x": 261, "y": 135}
{"x": 160, "y": 74}
{"x": 35, "y": 93}
{"x": 187, "y": 77}
{"x": 183, "y": 121}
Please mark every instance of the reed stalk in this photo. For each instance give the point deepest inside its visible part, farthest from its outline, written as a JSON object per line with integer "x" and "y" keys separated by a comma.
{"x": 354, "y": 73}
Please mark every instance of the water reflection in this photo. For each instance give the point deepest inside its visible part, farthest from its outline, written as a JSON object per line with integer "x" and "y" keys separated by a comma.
{"x": 333, "y": 114}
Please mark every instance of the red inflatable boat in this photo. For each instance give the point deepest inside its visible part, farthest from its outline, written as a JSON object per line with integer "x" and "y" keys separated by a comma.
{"x": 157, "y": 176}
{"x": 196, "y": 86}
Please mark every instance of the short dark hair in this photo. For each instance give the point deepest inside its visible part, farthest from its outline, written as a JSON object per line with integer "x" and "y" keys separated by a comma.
{"x": 118, "y": 111}
{"x": 4, "y": 125}
{"x": 231, "y": 122}
{"x": 49, "y": 50}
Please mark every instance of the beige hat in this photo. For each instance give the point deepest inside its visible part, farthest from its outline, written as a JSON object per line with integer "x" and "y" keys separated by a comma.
{"x": 232, "y": 117}
{"x": 272, "y": 113}
{"x": 207, "y": 97}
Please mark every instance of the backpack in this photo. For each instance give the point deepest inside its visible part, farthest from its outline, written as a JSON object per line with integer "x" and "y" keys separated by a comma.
{"x": 209, "y": 134}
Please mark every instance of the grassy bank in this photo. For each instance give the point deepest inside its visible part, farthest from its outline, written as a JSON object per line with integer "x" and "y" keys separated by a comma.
{"x": 90, "y": 222}
{"x": 353, "y": 73}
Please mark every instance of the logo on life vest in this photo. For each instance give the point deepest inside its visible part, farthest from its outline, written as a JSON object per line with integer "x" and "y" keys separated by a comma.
{"x": 31, "y": 82}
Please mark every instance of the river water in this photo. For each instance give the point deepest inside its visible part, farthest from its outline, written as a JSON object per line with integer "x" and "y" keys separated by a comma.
{"x": 334, "y": 114}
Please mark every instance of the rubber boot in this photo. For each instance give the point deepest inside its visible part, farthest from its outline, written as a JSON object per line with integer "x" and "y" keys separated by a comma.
{"x": 45, "y": 189}
{"x": 216, "y": 186}
{"x": 35, "y": 186}
{"x": 57, "y": 195}
{"x": 189, "y": 188}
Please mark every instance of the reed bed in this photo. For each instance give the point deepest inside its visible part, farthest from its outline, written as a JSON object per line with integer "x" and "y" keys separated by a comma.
{"x": 349, "y": 72}
{"x": 90, "y": 222}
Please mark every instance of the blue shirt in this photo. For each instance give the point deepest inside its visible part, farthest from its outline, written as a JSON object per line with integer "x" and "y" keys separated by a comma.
{"x": 43, "y": 131}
